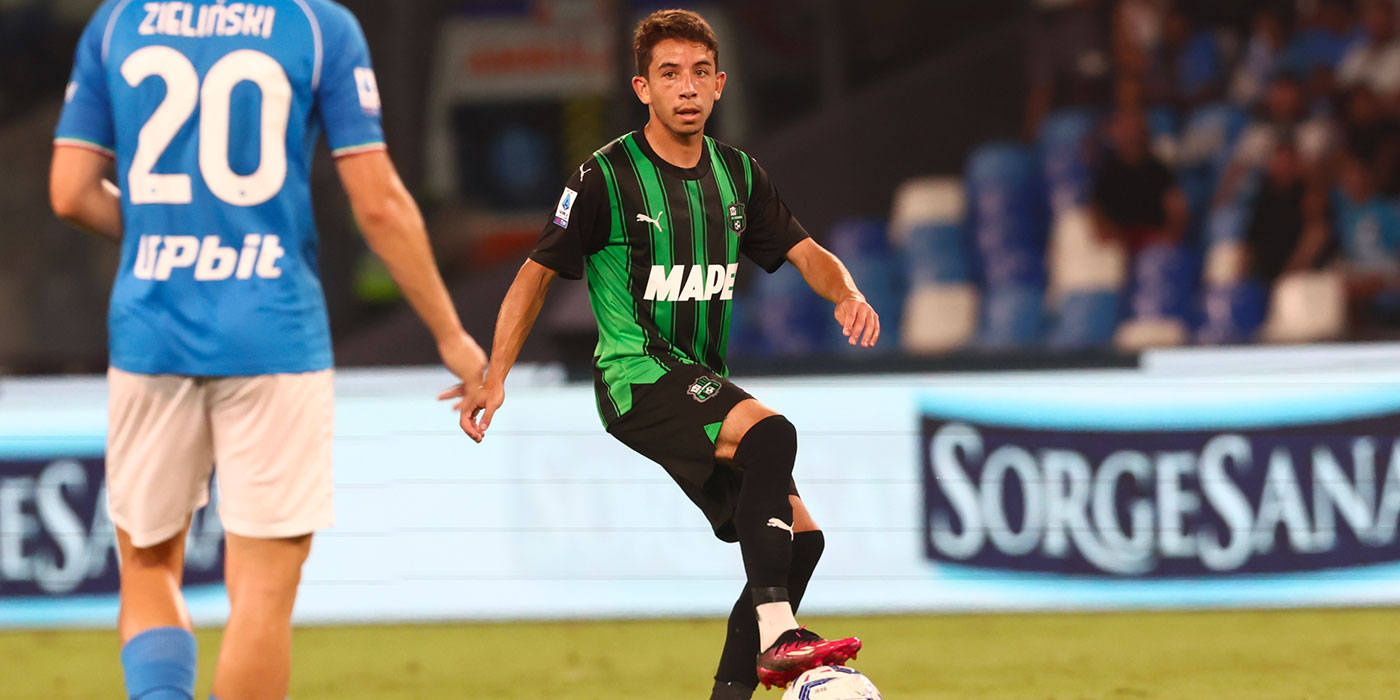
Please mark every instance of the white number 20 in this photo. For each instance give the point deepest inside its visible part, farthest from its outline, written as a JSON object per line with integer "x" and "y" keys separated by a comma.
{"x": 182, "y": 95}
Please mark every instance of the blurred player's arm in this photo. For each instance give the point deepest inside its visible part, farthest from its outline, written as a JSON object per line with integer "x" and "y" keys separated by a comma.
{"x": 828, "y": 277}
{"x": 81, "y": 194}
{"x": 394, "y": 228}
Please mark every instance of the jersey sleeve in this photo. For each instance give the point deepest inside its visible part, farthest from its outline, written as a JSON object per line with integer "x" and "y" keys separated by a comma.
{"x": 86, "y": 121}
{"x": 347, "y": 95}
{"x": 579, "y": 226}
{"x": 772, "y": 229}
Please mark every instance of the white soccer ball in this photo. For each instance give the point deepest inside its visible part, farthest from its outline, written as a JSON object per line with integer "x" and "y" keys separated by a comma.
{"x": 832, "y": 683}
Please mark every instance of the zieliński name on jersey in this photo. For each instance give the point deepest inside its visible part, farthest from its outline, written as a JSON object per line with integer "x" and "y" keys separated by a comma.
{"x": 691, "y": 282}
{"x": 158, "y": 257}
{"x": 233, "y": 19}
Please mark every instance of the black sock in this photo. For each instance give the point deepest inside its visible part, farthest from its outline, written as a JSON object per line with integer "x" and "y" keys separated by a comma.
{"x": 736, "y": 675}
{"x": 763, "y": 516}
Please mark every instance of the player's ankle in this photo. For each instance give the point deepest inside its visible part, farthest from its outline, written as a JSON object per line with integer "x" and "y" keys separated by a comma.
{"x": 730, "y": 690}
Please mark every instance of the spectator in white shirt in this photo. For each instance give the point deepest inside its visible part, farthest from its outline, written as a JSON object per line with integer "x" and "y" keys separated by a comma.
{"x": 1374, "y": 62}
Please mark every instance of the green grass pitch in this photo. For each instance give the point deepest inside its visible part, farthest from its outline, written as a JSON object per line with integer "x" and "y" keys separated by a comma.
{"x": 1261, "y": 655}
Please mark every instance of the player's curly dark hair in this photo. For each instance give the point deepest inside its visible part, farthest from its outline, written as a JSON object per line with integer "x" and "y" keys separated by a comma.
{"x": 671, "y": 24}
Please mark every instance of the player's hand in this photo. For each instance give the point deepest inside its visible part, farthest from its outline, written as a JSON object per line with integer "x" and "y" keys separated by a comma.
{"x": 463, "y": 357}
{"x": 478, "y": 406}
{"x": 859, "y": 322}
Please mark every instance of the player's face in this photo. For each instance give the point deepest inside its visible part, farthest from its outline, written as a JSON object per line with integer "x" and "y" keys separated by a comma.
{"x": 681, "y": 86}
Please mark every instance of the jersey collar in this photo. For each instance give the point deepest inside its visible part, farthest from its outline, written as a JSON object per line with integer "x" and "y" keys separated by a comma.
{"x": 700, "y": 170}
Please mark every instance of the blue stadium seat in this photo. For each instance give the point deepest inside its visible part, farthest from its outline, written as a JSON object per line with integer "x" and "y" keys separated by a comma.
{"x": 1065, "y": 147}
{"x": 1164, "y": 282}
{"x": 1012, "y": 317}
{"x": 863, "y": 245}
{"x": 937, "y": 253}
{"x": 1006, "y": 216}
{"x": 858, "y": 236}
{"x": 746, "y": 337}
{"x": 793, "y": 319}
{"x": 1087, "y": 319}
{"x": 1233, "y": 313}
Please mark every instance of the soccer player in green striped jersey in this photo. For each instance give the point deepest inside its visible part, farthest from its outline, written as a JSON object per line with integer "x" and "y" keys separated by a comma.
{"x": 657, "y": 220}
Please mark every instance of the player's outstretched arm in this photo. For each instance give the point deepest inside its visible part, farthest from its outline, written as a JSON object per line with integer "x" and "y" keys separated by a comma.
{"x": 81, "y": 194}
{"x": 518, "y": 313}
{"x": 394, "y": 228}
{"x": 827, "y": 276}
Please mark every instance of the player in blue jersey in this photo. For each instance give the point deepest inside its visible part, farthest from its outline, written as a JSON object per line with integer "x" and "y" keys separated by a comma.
{"x": 220, "y": 348}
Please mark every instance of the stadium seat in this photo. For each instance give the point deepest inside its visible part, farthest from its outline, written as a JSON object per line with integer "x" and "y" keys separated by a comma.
{"x": 1306, "y": 307}
{"x": 1087, "y": 277}
{"x": 1065, "y": 149}
{"x": 1164, "y": 282}
{"x": 794, "y": 320}
{"x": 926, "y": 201}
{"x": 1233, "y": 313}
{"x": 862, "y": 243}
{"x": 937, "y": 254}
{"x": 1006, "y": 215}
{"x": 1164, "y": 290}
{"x": 1136, "y": 335}
{"x": 1078, "y": 260}
{"x": 1012, "y": 317}
{"x": 1086, "y": 319}
{"x": 938, "y": 318}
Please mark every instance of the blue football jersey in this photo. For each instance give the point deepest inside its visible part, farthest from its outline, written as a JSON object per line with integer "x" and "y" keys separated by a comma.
{"x": 212, "y": 110}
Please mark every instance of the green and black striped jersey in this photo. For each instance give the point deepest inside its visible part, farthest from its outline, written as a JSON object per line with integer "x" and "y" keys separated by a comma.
{"x": 661, "y": 245}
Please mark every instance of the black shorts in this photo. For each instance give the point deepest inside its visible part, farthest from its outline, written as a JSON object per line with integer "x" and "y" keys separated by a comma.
{"x": 674, "y": 422}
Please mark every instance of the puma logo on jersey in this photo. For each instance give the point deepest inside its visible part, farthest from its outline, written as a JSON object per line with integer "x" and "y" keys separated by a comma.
{"x": 691, "y": 282}
{"x": 654, "y": 222}
{"x": 582, "y": 172}
{"x": 774, "y": 522}
{"x": 157, "y": 257}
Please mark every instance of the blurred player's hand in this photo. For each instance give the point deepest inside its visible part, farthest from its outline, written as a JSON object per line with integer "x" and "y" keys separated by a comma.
{"x": 859, "y": 322}
{"x": 463, "y": 358}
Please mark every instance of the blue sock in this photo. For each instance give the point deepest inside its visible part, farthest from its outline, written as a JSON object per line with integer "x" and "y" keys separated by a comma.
{"x": 160, "y": 664}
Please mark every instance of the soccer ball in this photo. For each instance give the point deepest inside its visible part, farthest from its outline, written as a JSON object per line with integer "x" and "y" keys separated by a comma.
{"x": 832, "y": 683}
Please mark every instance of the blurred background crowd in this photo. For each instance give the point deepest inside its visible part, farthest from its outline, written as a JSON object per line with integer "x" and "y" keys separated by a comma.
{"x": 1006, "y": 178}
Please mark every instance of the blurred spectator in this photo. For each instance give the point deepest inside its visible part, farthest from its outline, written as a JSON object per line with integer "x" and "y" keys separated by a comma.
{"x": 1326, "y": 31}
{"x": 1282, "y": 117}
{"x": 1374, "y": 61}
{"x": 1188, "y": 67}
{"x": 1368, "y": 227}
{"x": 1137, "y": 34}
{"x": 1136, "y": 201}
{"x": 1068, "y": 59}
{"x": 1374, "y": 136}
{"x": 1287, "y": 223}
{"x": 1263, "y": 57}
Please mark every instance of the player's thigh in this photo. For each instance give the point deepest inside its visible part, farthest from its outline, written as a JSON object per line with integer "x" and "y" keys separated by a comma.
{"x": 736, "y": 425}
{"x": 159, "y": 453}
{"x": 264, "y": 572}
{"x": 272, "y": 444}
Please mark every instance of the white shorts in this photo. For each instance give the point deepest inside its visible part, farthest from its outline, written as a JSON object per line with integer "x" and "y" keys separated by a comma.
{"x": 268, "y": 435}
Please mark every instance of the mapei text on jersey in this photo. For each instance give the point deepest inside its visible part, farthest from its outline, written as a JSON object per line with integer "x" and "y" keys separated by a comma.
{"x": 233, "y": 19}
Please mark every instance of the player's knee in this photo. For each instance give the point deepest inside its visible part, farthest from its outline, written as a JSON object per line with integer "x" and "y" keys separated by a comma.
{"x": 808, "y": 546}
{"x": 771, "y": 441}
